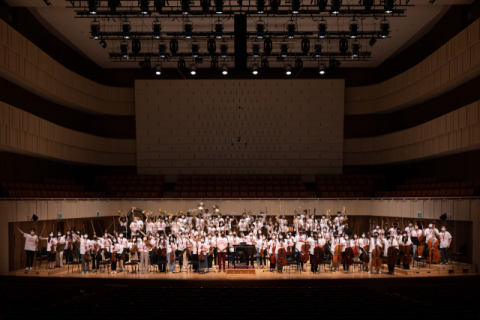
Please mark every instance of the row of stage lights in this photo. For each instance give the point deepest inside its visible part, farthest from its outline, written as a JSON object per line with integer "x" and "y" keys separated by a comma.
{"x": 267, "y": 48}
{"x": 333, "y": 64}
{"x": 291, "y": 29}
{"x": 144, "y": 6}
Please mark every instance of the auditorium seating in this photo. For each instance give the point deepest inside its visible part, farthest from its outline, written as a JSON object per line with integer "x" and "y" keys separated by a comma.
{"x": 348, "y": 186}
{"x": 52, "y": 188}
{"x": 131, "y": 186}
{"x": 429, "y": 187}
{"x": 240, "y": 186}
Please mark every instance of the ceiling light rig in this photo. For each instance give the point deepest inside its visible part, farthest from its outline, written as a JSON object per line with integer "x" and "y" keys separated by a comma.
{"x": 295, "y": 47}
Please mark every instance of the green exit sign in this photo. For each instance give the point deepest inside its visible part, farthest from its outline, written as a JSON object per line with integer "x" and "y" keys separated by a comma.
{"x": 59, "y": 216}
{"x": 419, "y": 215}
{"x": 98, "y": 213}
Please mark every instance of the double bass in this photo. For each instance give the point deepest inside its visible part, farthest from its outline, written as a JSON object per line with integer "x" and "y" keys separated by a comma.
{"x": 391, "y": 255}
{"x": 272, "y": 256}
{"x": 433, "y": 252}
{"x": 337, "y": 255}
{"x": 282, "y": 257}
{"x": 318, "y": 255}
{"x": 376, "y": 255}
{"x": 348, "y": 258}
{"x": 405, "y": 253}
{"x": 305, "y": 256}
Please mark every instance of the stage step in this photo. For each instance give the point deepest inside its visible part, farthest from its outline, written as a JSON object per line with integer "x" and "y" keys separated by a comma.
{"x": 455, "y": 268}
{"x": 411, "y": 271}
{"x": 241, "y": 271}
{"x": 39, "y": 272}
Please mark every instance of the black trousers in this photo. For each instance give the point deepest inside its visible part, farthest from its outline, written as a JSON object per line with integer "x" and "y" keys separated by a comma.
{"x": 391, "y": 268}
{"x": 209, "y": 260}
{"x": 215, "y": 255}
{"x": 345, "y": 266}
{"x": 313, "y": 267}
{"x": 298, "y": 256}
{"x": 194, "y": 259}
{"x": 444, "y": 254}
{"x": 30, "y": 256}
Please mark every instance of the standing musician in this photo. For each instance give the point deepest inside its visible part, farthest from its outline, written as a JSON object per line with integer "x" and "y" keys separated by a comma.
{"x": 59, "y": 255}
{"x": 202, "y": 248}
{"x": 346, "y": 243}
{"x": 222, "y": 244}
{"x": 338, "y": 221}
{"x": 375, "y": 241}
{"x": 300, "y": 239}
{"x": 161, "y": 225}
{"x": 324, "y": 223}
{"x": 416, "y": 233}
{"x": 314, "y": 242}
{"x": 171, "y": 248}
{"x": 364, "y": 242}
{"x": 390, "y": 241}
{"x": 144, "y": 247}
{"x": 69, "y": 243}
{"x": 233, "y": 240}
{"x": 280, "y": 243}
{"x": 431, "y": 231}
{"x": 31, "y": 241}
{"x": 187, "y": 247}
{"x": 271, "y": 251}
{"x": 259, "y": 245}
{"x": 335, "y": 241}
{"x": 122, "y": 221}
{"x": 116, "y": 250}
{"x": 211, "y": 245}
{"x": 51, "y": 249}
{"x": 405, "y": 241}
{"x": 85, "y": 246}
{"x": 134, "y": 227}
{"x": 445, "y": 241}
{"x": 150, "y": 226}
{"x": 409, "y": 228}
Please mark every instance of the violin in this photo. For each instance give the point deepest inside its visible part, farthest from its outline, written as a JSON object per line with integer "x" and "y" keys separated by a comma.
{"x": 202, "y": 255}
{"x": 134, "y": 249}
{"x": 262, "y": 253}
{"x": 114, "y": 257}
{"x": 87, "y": 256}
{"x": 305, "y": 256}
{"x": 163, "y": 252}
{"x": 337, "y": 256}
{"x": 172, "y": 255}
{"x": 52, "y": 248}
{"x": 282, "y": 257}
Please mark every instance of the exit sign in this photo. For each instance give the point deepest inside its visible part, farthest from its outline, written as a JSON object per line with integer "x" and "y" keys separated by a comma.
{"x": 59, "y": 216}
{"x": 98, "y": 213}
{"x": 419, "y": 215}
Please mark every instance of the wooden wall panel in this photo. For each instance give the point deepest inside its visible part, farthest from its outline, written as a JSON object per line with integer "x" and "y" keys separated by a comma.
{"x": 457, "y": 59}
{"x": 20, "y": 58}
{"x": 453, "y": 133}
{"x": 289, "y": 127}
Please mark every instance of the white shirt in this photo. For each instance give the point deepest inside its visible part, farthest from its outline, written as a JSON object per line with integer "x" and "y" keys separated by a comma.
{"x": 30, "y": 242}
{"x": 404, "y": 243}
{"x": 362, "y": 242}
{"x": 84, "y": 245}
{"x": 409, "y": 230}
{"x": 389, "y": 243}
{"x": 313, "y": 244}
{"x": 161, "y": 226}
{"x": 134, "y": 227}
{"x": 445, "y": 239}
{"x": 298, "y": 244}
{"x": 222, "y": 244}
{"x": 280, "y": 244}
{"x": 373, "y": 243}
{"x": 429, "y": 233}
{"x": 150, "y": 227}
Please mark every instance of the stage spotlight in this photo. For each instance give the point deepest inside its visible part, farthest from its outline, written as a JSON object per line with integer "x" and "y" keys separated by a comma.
{"x": 372, "y": 41}
{"x": 368, "y": 4}
{"x": 124, "y": 49}
{"x": 136, "y": 46}
{"x": 158, "y": 69}
{"x": 126, "y": 27}
{"x": 195, "y": 47}
{"x": 159, "y": 4}
{"x": 223, "y": 49}
{"x": 295, "y": 6}
{"x": 298, "y": 64}
{"x": 34, "y": 217}
{"x": 95, "y": 30}
{"x": 335, "y": 6}
{"x": 343, "y": 46}
{"x": 443, "y": 217}
{"x": 318, "y": 49}
{"x": 267, "y": 46}
{"x": 185, "y": 6}
{"x": 321, "y": 68}
{"x": 218, "y": 6}
{"x": 181, "y": 64}
{"x": 193, "y": 69}
{"x": 92, "y": 6}
{"x": 224, "y": 69}
{"x": 211, "y": 46}
{"x": 384, "y": 29}
{"x": 113, "y": 4}
{"x": 291, "y": 27}
{"x": 173, "y": 46}
{"x": 260, "y": 6}
{"x": 256, "y": 49}
{"x": 162, "y": 49}
{"x": 103, "y": 44}
{"x": 388, "y": 8}
{"x": 219, "y": 29}
{"x": 144, "y": 6}
{"x": 353, "y": 29}
{"x": 322, "y": 29}
{"x": 322, "y": 4}
{"x": 260, "y": 29}
{"x": 284, "y": 50}
{"x": 355, "y": 49}
{"x": 255, "y": 68}
{"x": 288, "y": 69}
{"x": 188, "y": 30}
{"x": 305, "y": 46}
{"x": 156, "y": 27}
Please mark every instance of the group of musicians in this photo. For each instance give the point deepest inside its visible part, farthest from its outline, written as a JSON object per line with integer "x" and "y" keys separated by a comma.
{"x": 207, "y": 240}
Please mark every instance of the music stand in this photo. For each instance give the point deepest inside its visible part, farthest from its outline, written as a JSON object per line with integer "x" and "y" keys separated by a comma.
{"x": 416, "y": 242}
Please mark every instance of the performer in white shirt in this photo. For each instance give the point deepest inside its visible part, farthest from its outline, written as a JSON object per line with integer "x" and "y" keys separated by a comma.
{"x": 390, "y": 241}
{"x": 363, "y": 243}
{"x": 404, "y": 240}
{"x": 31, "y": 241}
{"x": 430, "y": 232}
{"x": 51, "y": 249}
{"x": 445, "y": 241}
{"x": 85, "y": 247}
{"x": 222, "y": 244}
{"x": 375, "y": 241}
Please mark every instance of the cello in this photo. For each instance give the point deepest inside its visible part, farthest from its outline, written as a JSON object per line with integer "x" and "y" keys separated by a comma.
{"x": 272, "y": 256}
{"x": 305, "y": 256}
{"x": 376, "y": 255}
{"x": 337, "y": 256}
{"x": 433, "y": 252}
{"x": 405, "y": 253}
{"x": 348, "y": 258}
{"x": 282, "y": 257}
{"x": 318, "y": 255}
{"x": 421, "y": 246}
{"x": 391, "y": 255}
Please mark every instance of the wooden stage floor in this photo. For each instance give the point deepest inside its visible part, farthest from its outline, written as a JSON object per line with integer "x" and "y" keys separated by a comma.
{"x": 260, "y": 274}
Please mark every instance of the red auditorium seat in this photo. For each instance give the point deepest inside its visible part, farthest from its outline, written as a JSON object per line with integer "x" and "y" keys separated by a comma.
{"x": 210, "y": 194}
{"x": 409, "y": 193}
{"x": 184, "y": 194}
{"x": 470, "y": 192}
{"x": 436, "y": 193}
{"x": 430, "y": 193}
{"x": 286, "y": 194}
{"x": 252, "y": 194}
{"x": 338, "y": 188}
{"x": 243, "y": 194}
{"x": 129, "y": 194}
{"x": 154, "y": 194}
{"x": 176, "y": 194}
{"x": 44, "y": 194}
{"x": 137, "y": 194}
{"x": 333, "y": 194}
{"x": 192, "y": 194}
{"x": 457, "y": 185}
{"x": 227, "y": 194}
{"x": 324, "y": 195}
{"x": 463, "y": 192}
{"x": 456, "y": 192}
{"x": 235, "y": 194}
{"x": 277, "y": 194}
{"x": 321, "y": 188}
{"x": 294, "y": 194}
{"x": 342, "y": 194}
{"x": 424, "y": 193}
{"x": 350, "y": 194}
{"x": 24, "y": 185}
{"x": 359, "y": 194}
{"x": 330, "y": 188}
{"x": 145, "y": 194}
{"x": 268, "y": 188}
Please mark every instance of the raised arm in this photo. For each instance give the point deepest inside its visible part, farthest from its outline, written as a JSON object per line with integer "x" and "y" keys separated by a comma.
{"x": 21, "y": 231}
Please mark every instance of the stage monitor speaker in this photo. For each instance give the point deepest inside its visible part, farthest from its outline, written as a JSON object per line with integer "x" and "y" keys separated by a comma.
{"x": 34, "y": 217}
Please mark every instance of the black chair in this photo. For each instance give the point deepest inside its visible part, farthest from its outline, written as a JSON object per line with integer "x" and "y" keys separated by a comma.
{"x": 41, "y": 256}
{"x": 107, "y": 262}
{"x": 462, "y": 252}
{"x": 293, "y": 262}
{"x": 159, "y": 263}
